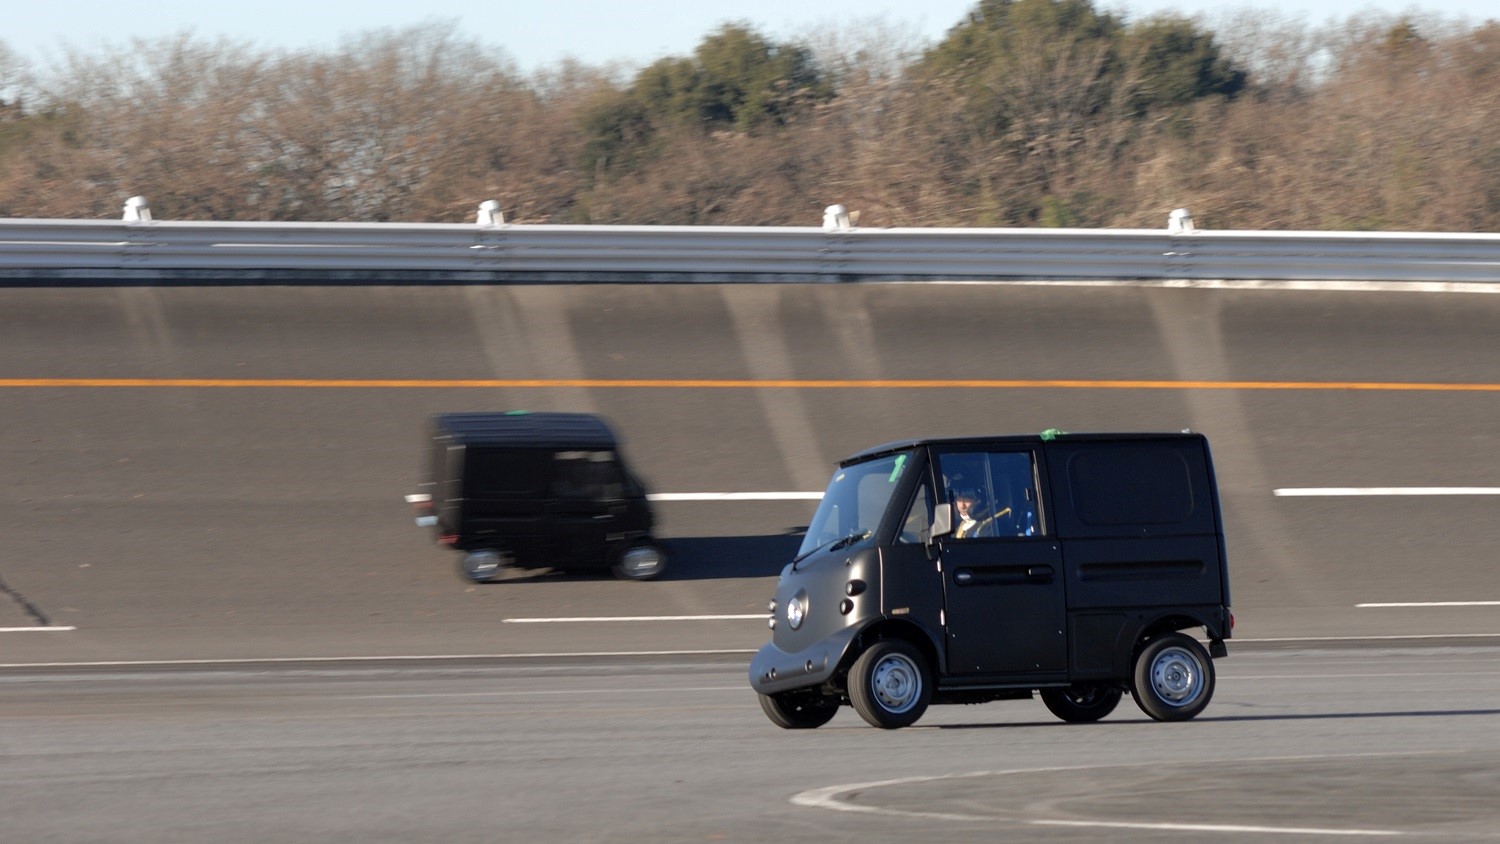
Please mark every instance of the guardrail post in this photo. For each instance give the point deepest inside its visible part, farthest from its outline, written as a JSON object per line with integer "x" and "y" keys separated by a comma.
{"x": 833, "y": 260}
{"x": 489, "y": 214}
{"x": 1178, "y": 258}
{"x": 1180, "y": 221}
{"x": 136, "y": 210}
{"x": 489, "y": 244}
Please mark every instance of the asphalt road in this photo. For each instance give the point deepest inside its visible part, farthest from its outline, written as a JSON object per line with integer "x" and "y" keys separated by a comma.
{"x": 1301, "y": 745}
{"x": 205, "y": 532}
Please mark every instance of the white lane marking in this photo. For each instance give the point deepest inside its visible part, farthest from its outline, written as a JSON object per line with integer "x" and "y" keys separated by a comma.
{"x": 1374, "y": 675}
{"x": 1236, "y": 284}
{"x": 734, "y": 496}
{"x": 304, "y": 660}
{"x": 602, "y": 618}
{"x": 591, "y": 692}
{"x": 605, "y": 654}
{"x": 1386, "y": 490}
{"x": 1430, "y": 604}
{"x": 36, "y": 629}
{"x": 1206, "y": 827}
{"x": 827, "y": 798}
{"x": 1413, "y": 636}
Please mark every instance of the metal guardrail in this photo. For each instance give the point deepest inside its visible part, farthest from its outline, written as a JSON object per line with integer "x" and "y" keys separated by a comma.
{"x": 62, "y": 249}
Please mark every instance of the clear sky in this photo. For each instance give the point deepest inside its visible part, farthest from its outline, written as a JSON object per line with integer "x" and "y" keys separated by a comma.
{"x": 536, "y": 33}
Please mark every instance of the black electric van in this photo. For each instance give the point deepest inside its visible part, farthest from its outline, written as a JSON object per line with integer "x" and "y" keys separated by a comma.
{"x": 535, "y": 490}
{"x": 992, "y": 568}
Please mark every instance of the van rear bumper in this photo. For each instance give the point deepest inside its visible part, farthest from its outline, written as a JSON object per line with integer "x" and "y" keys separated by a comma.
{"x": 774, "y": 670}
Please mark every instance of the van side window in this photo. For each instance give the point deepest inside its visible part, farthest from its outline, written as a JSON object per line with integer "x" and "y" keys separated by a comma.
{"x": 587, "y": 475}
{"x": 918, "y": 517}
{"x": 994, "y": 494}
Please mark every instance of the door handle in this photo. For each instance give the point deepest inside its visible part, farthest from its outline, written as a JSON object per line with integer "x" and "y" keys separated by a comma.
{"x": 962, "y": 576}
{"x": 1039, "y": 573}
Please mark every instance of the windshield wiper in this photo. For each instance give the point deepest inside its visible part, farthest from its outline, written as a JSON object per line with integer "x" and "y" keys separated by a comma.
{"x": 834, "y": 544}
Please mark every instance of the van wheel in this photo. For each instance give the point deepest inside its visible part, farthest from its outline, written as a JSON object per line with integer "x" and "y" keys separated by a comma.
{"x": 484, "y": 565}
{"x": 798, "y": 711}
{"x": 1082, "y": 703}
{"x": 1174, "y": 678}
{"x": 889, "y": 684}
{"x": 642, "y": 561}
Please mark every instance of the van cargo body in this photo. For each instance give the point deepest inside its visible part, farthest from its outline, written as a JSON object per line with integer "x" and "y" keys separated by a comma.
{"x": 533, "y": 490}
{"x": 973, "y": 569}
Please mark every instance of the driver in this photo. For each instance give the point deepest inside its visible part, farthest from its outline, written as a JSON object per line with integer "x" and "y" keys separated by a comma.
{"x": 968, "y": 522}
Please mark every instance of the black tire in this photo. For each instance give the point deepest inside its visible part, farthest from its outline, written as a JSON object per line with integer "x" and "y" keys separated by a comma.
{"x": 1174, "y": 678}
{"x": 484, "y": 565}
{"x": 798, "y": 710}
{"x": 1082, "y": 703}
{"x": 890, "y": 684}
{"x": 641, "y": 561}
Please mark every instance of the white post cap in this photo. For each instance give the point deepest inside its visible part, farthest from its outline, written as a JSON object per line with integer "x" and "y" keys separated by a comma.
{"x": 489, "y": 214}
{"x": 136, "y": 210}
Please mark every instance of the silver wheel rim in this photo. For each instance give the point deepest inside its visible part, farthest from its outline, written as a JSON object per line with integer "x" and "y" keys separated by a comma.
{"x": 1176, "y": 677}
{"x": 641, "y": 562}
{"x": 482, "y": 563}
{"x": 896, "y": 683}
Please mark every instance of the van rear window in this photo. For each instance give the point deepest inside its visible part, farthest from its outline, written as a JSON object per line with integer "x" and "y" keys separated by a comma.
{"x": 1131, "y": 485}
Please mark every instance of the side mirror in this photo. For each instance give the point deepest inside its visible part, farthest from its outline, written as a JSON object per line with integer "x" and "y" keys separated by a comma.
{"x": 942, "y": 522}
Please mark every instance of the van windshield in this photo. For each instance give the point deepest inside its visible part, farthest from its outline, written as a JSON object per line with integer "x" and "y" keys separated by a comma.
{"x": 854, "y": 503}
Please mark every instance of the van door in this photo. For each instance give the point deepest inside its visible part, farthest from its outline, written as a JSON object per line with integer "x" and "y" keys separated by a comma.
{"x": 1002, "y": 570}
{"x": 588, "y": 503}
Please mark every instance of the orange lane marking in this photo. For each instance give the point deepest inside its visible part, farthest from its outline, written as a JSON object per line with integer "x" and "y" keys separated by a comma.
{"x": 708, "y": 383}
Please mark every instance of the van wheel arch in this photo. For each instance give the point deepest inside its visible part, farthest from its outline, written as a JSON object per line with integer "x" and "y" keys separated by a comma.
{"x": 891, "y": 629}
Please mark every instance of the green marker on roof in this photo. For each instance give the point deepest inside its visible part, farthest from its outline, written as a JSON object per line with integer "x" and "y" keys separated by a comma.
{"x": 896, "y": 471}
{"x": 1052, "y": 433}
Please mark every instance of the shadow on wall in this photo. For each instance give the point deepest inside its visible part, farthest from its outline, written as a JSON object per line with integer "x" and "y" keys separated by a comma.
{"x": 720, "y": 557}
{"x": 691, "y": 558}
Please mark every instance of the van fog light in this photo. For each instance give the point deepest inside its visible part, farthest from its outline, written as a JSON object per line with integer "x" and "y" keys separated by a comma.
{"x": 796, "y": 610}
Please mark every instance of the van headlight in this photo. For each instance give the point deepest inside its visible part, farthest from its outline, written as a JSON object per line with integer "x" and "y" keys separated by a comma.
{"x": 796, "y": 610}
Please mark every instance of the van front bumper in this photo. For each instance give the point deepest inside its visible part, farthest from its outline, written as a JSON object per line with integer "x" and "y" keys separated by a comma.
{"x": 774, "y": 670}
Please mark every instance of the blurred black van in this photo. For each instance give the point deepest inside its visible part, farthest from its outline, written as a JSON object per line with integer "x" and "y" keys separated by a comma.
{"x": 535, "y": 490}
{"x": 991, "y": 568}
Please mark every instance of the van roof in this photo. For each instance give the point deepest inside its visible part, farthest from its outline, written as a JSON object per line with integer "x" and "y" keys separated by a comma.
{"x": 1014, "y": 439}
{"x": 544, "y": 430}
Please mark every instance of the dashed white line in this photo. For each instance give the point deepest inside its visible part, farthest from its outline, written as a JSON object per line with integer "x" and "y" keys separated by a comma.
{"x": 314, "y": 660}
{"x": 734, "y": 496}
{"x": 36, "y": 629}
{"x": 1388, "y": 605}
{"x": 606, "y": 618}
{"x": 1386, "y": 490}
{"x": 1206, "y": 827}
{"x": 547, "y": 692}
{"x": 1397, "y": 638}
